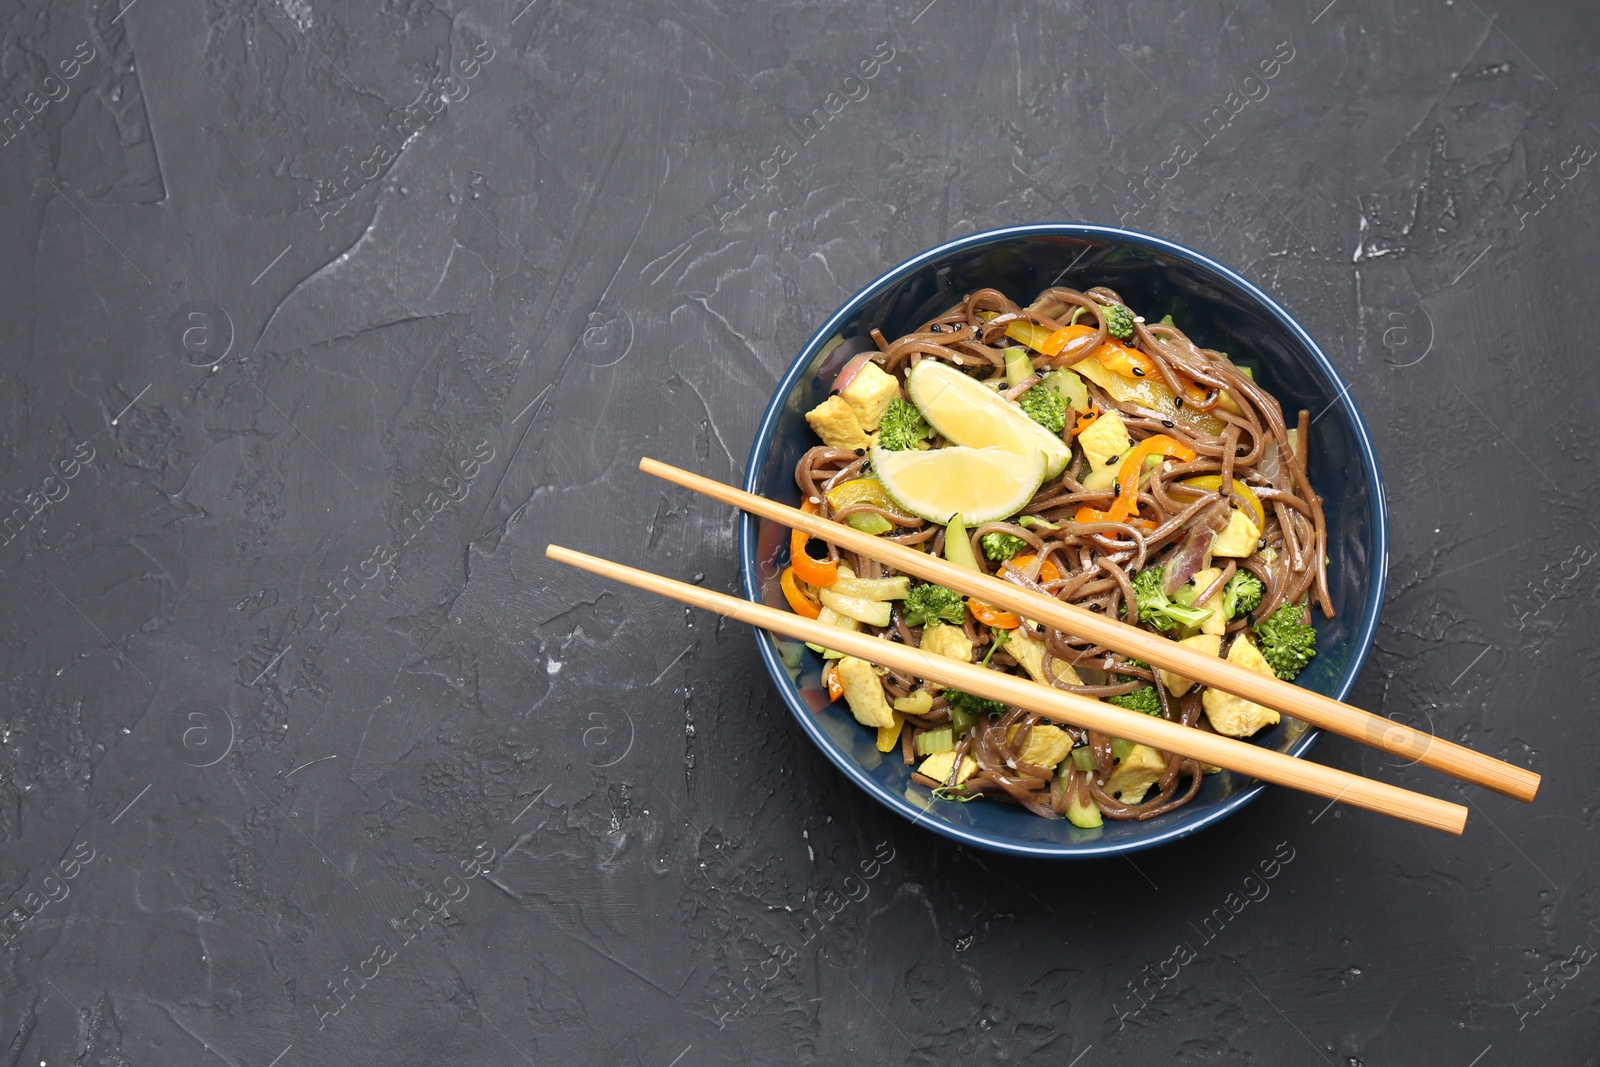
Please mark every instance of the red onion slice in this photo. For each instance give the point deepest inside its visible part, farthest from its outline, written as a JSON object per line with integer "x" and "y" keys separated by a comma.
{"x": 1189, "y": 558}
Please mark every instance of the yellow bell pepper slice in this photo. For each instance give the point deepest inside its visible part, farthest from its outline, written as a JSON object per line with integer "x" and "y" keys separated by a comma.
{"x": 863, "y": 491}
{"x": 889, "y": 736}
{"x": 1213, "y": 483}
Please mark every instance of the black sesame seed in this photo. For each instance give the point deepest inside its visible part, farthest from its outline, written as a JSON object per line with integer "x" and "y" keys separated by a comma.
{"x": 1167, "y": 423}
{"x": 937, "y": 328}
{"x": 1137, "y": 373}
{"x": 861, "y": 451}
{"x": 1177, "y": 401}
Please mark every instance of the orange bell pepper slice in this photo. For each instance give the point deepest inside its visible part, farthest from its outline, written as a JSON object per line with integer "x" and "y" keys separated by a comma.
{"x": 1010, "y": 620}
{"x": 1048, "y": 572}
{"x": 1128, "y": 362}
{"x": 798, "y": 601}
{"x": 1059, "y": 340}
{"x": 1087, "y": 419}
{"x": 815, "y": 572}
{"x": 1127, "y": 501}
{"x": 831, "y": 678}
{"x": 1112, "y": 354}
{"x": 1005, "y": 620}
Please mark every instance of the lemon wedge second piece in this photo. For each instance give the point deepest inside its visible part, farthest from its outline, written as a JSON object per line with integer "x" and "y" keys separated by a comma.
{"x": 967, "y": 412}
{"x": 981, "y": 484}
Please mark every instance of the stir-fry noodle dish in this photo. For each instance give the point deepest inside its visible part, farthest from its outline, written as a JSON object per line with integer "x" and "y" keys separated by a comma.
{"x": 1080, "y": 448}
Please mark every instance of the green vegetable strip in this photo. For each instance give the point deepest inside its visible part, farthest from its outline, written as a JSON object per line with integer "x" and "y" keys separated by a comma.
{"x": 939, "y": 739}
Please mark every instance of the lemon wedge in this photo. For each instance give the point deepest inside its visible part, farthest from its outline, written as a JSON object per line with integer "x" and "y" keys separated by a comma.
{"x": 966, "y": 411}
{"x": 981, "y": 484}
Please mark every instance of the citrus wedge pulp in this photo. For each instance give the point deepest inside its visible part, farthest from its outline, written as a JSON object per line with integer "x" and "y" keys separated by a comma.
{"x": 967, "y": 412}
{"x": 980, "y": 484}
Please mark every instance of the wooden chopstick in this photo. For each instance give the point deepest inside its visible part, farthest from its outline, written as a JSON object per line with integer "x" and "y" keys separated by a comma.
{"x": 1085, "y": 712}
{"x": 1318, "y": 710}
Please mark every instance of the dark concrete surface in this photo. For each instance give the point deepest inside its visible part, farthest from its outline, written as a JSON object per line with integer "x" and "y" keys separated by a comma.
{"x": 307, "y": 755}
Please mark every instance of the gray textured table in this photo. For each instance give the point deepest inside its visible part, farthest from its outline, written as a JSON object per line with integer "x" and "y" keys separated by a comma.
{"x": 322, "y": 318}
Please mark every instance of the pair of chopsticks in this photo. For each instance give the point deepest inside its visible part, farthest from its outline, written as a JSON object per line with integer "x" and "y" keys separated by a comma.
{"x": 1086, "y": 712}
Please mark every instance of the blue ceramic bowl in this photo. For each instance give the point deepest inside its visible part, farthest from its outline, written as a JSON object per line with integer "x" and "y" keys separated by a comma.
{"x": 1219, "y": 309}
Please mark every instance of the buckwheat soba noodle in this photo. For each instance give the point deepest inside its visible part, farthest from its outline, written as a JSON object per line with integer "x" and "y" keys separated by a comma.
{"x": 1076, "y": 448}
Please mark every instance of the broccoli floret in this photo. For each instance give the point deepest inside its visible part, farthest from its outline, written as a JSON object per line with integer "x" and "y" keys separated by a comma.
{"x": 1287, "y": 643}
{"x": 1154, "y": 606}
{"x": 1241, "y": 595}
{"x": 972, "y": 705}
{"x": 1119, "y": 321}
{"x": 934, "y": 603}
{"x": 1000, "y": 545}
{"x": 1144, "y": 699}
{"x": 902, "y": 427}
{"x": 1134, "y": 677}
{"x": 1046, "y": 407}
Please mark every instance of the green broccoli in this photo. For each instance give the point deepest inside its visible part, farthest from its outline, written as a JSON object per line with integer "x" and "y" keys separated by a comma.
{"x": 971, "y": 705}
{"x": 1241, "y": 595}
{"x": 1046, "y": 407}
{"x": 1118, "y": 320}
{"x": 1144, "y": 699}
{"x": 1287, "y": 643}
{"x": 1154, "y": 606}
{"x": 930, "y": 603}
{"x": 902, "y": 427}
{"x": 1134, "y": 677}
{"x": 1000, "y": 545}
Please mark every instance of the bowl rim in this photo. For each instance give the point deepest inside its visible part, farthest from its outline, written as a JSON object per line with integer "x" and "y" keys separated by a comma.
{"x": 1363, "y": 633}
